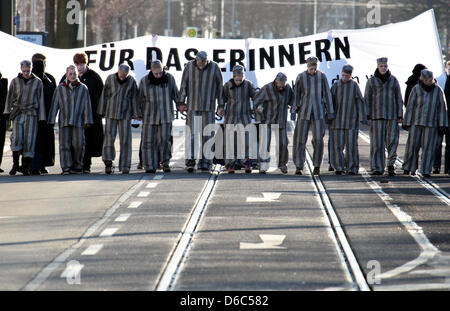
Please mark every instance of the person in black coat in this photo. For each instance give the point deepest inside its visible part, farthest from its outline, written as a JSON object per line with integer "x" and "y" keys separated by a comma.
{"x": 3, "y": 93}
{"x": 93, "y": 135}
{"x": 45, "y": 140}
{"x": 412, "y": 81}
{"x": 447, "y": 139}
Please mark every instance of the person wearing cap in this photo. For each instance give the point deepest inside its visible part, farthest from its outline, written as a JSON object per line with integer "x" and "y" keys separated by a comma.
{"x": 350, "y": 110}
{"x": 44, "y": 155}
{"x": 24, "y": 107}
{"x": 71, "y": 99}
{"x": 3, "y": 121}
{"x": 384, "y": 106}
{"x": 272, "y": 104}
{"x": 201, "y": 87}
{"x": 118, "y": 105}
{"x": 237, "y": 110}
{"x": 314, "y": 108}
{"x": 425, "y": 116}
{"x": 157, "y": 93}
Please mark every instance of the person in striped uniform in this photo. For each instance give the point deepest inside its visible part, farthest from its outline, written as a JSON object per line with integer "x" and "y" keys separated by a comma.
{"x": 72, "y": 100}
{"x": 157, "y": 93}
{"x": 118, "y": 105}
{"x": 425, "y": 116}
{"x": 237, "y": 110}
{"x": 272, "y": 104}
{"x": 201, "y": 87}
{"x": 314, "y": 108}
{"x": 350, "y": 110}
{"x": 25, "y": 108}
{"x": 384, "y": 106}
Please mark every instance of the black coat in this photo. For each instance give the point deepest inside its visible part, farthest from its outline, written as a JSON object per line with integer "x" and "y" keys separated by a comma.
{"x": 94, "y": 134}
{"x": 412, "y": 81}
{"x": 447, "y": 94}
{"x": 3, "y": 93}
{"x": 45, "y": 138}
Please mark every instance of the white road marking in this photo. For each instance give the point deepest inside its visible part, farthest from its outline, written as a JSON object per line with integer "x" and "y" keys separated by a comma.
{"x": 143, "y": 194}
{"x": 108, "y": 232}
{"x": 158, "y": 177}
{"x": 151, "y": 185}
{"x": 134, "y": 204}
{"x": 267, "y": 197}
{"x": 122, "y": 217}
{"x": 7, "y": 217}
{"x": 92, "y": 250}
{"x": 72, "y": 270}
{"x": 269, "y": 241}
{"x": 413, "y": 287}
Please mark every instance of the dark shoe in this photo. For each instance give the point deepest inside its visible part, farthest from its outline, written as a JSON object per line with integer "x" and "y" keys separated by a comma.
{"x": 298, "y": 172}
{"x": 316, "y": 171}
{"x": 230, "y": 170}
{"x": 76, "y": 171}
{"x": 1, "y": 171}
{"x": 152, "y": 171}
{"x": 139, "y": 166}
{"x": 86, "y": 171}
{"x": 248, "y": 166}
{"x": 126, "y": 171}
{"x": 426, "y": 175}
{"x": 376, "y": 173}
{"x": 330, "y": 168}
{"x": 391, "y": 170}
{"x": 26, "y": 166}
{"x": 35, "y": 172}
{"x": 413, "y": 173}
{"x": 405, "y": 172}
{"x": 190, "y": 169}
{"x": 166, "y": 169}
{"x": 65, "y": 172}
{"x": 109, "y": 167}
{"x": 43, "y": 171}
{"x": 14, "y": 170}
{"x": 263, "y": 172}
{"x": 338, "y": 172}
{"x": 351, "y": 173}
{"x": 284, "y": 170}
{"x": 436, "y": 171}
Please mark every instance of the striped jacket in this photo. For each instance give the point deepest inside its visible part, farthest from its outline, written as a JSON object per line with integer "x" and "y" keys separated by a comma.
{"x": 27, "y": 98}
{"x": 201, "y": 87}
{"x": 238, "y": 108}
{"x": 156, "y": 101}
{"x": 119, "y": 100}
{"x": 383, "y": 100}
{"x": 426, "y": 108}
{"x": 348, "y": 104}
{"x": 74, "y": 106}
{"x": 275, "y": 104}
{"x": 313, "y": 97}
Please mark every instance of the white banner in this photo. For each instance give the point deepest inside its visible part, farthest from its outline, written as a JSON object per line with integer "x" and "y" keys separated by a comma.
{"x": 405, "y": 44}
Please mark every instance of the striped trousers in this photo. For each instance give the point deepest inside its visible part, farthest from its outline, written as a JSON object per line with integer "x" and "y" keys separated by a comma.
{"x": 23, "y": 136}
{"x": 156, "y": 143}
{"x": 384, "y": 134}
{"x": 71, "y": 147}
{"x": 420, "y": 137}
{"x": 282, "y": 142}
{"x": 195, "y": 139}
{"x": 301, "y": 137}
{"x": 109, "y": 150}
{"x": 240, "y": 143}
{"x": 347, "y": 139}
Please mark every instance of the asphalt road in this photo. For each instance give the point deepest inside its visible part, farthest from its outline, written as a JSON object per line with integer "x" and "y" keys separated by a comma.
{"x": 202, "y": 231}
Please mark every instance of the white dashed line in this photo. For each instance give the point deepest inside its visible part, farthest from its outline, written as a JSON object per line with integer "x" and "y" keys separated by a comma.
{"x": 134, "y": 204}
{"x": 92, "y": 250}
{"x": 122, "y": 217}
{"x": 143, "y": 194}
{"x": 151, "y": 185}
{"x": 108, "y": 232}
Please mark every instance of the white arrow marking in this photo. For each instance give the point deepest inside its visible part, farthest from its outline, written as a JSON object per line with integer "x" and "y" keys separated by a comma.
{"x": 7, "y": 217}
{"x": 267, "y": 197}
{"x": 269, "y": 241}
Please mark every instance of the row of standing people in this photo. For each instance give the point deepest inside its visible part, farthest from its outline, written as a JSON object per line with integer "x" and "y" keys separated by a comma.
{"x": 82, "y": 101}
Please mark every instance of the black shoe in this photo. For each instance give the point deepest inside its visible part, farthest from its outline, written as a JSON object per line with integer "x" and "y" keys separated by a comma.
{"x": 26, "y": 166}
{"x": 413, "y": 173}
{"x": 14, "y": 170}
{"x": 316, "y": 171}
{"x": 391, "y": 170}
{"x": 109, "y": 167}
{"x": 166, "y": 169}
{"x": 426, "y": 175}
{"x": 298, "y": 172}
{"x": 351, "y": 173}
{"x": 338, "y": 172}
{"x": 35, "y": 172}
{"x": 43, "y": 170}
{"x": 1, "y": 171}
{"x": 330, "y": 169}
{"x": 284, "y": 170}
{"x": 263, "y": 172}
{"x": 190, "y": 169}
{"x": 376, "y": 173}
{"x": 405, "y": 172}
{"x": 152, "y": 171}
{"x": 436, "y": 171}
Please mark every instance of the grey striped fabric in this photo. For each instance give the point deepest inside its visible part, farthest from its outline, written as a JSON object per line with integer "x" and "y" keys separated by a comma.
{"x": 201, "y": 88}
{"x": 71, "y": 147}
{"x": 426, "y": 108}
{"x": 156, "y": 145}
{"x": 237, "y": 102}
{"x": 23, "y": 136}
{"x": 384, "y": 134}
{"x": 348, "y": 139}
{"x": 313, "y": 97}
{"x": 112, "y": 126}
{"x": 275, "y": 104}
{"x": 383, "y": 100}
{"x": 348, "y": 105}
{"x": 282, "y": 143}
{"x": 196, "y": 121}
{"x": 27, "y": 97}
{"x": 119, "y": 100}
{"x": 73, "y": 104}
{"x": 300, "y": 138}
{"x": 156, "y": 101}
{"x": 420, "y": 137}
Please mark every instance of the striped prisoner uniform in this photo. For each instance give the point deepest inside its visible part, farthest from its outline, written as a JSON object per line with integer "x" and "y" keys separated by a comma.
{"x": 118, "y": 104}
{"x": 74, "y": 106}
{"x": 238, "y": 111}
{"x": 26, "y": 100}
{"x": 275, "y": 105}
{"x": 350, "y": 110}
{"x": 425, "y": 113}
{"x": 384, "y": 106}
{"x": 156, "y": 102}
{"x": 200, "y": 89}
{"x": 314, "y": 105}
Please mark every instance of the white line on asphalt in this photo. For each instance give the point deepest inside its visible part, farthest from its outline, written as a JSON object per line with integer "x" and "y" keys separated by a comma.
{"x": 73, "y": 269}
{"x": 92, "y": 250}
{"x": 170, "y": 271}
{"x": 108, "y": 232}
{"x": 267, "y": 197}
{"x": 158, "y": 177}
{"x": 134, "y": 204}
{"x": 7, "y": 217}
{"x": 269, "y": 241}
{"x": 61, "y": 258}
{"x": 414, "y": 287}
{"x": 143, "y": 194}
{"x": 122, "y": 217}
{"x": 151, "y": 185}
